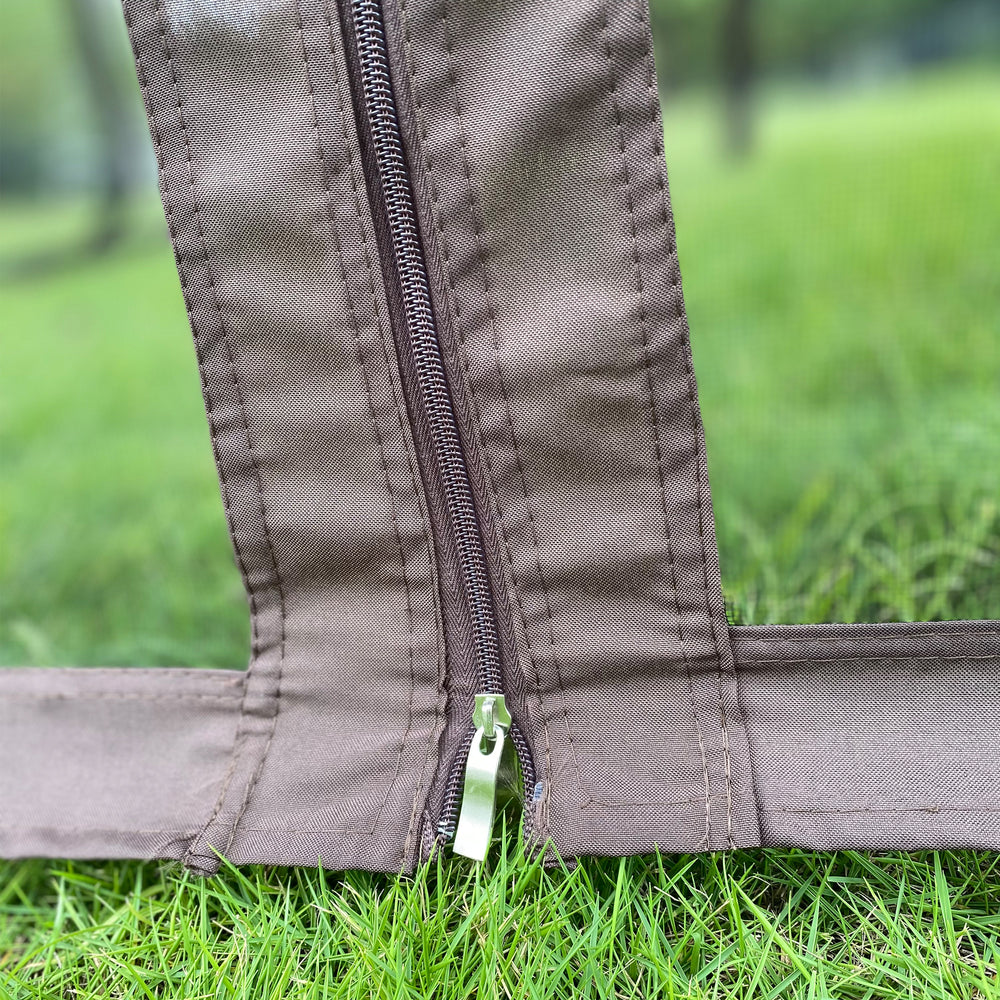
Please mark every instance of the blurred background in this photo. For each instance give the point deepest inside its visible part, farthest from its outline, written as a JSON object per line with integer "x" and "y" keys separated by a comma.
{"x": 835, "y": 174}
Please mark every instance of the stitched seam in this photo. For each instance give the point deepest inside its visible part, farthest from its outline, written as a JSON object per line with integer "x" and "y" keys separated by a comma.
{"x": 384, "y": 338}
{"x": 86, "y": 696}
{"x": 479, "y": 235}
{"x": 873, "y": 659}
{"x": 327, "y": 169}
{"x": 154, "y": 131}
{"x": 181, "y": 835}
{"x": 644, "y": 327}
{"x": 823, "y": 638}
{"x": 206, "y": 390}
{"x": 695, "y": 801}
{"x": 888, "y": 810}
{"x": 385, "y": 335}
{"x": 454, "y": 302}
{"x": 805, "y": 811}
{"x": 319, "y": 831}
{"x": 698, "y": 800}
{"x": 241, "y": 743}
{"x": 700, "y": 459}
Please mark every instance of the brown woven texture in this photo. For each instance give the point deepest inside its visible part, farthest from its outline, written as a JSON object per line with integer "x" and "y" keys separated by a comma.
{"x": 534, "y": 145}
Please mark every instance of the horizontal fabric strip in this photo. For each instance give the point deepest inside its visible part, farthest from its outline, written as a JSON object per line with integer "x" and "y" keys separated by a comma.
{"x": 866, "y": 737}
{"x": 112, "y": 763}
{"x": 874, "y": 737}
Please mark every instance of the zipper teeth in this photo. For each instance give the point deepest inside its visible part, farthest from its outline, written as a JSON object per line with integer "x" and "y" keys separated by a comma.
{"x": 453, "y": 791}
{"x": 426, "y": 350}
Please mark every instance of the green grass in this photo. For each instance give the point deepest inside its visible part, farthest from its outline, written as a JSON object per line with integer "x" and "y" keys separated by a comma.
{"x": 844, "y": 297}
{"x": 113, "y": 544}
{"x": 747, "y": 926}
{"x": 844, "y": 293}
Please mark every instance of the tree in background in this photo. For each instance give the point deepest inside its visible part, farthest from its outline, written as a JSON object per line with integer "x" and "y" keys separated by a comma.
{"x": 111, "y": 103}
{"x": 737, "y": 31}
{"x": 731, "y": 44}
{"x": 70, "y": 120}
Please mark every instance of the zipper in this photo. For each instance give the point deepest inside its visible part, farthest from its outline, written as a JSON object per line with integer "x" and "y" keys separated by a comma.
{"x": 485, "y": 755}
{"x": 483, "y": 762}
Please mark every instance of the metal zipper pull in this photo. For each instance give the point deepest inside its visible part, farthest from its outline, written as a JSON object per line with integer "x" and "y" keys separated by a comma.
{"x": 482, "y": 776}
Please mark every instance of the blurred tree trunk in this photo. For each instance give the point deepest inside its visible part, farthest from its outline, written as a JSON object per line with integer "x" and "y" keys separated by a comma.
{"x": 88, "y": 22}
{"x": 738, "y": 65}
{"x": 95, "y": 43}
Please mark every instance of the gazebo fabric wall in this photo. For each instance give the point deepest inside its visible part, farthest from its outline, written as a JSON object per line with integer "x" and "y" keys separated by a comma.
{"x": 543, "y": 235}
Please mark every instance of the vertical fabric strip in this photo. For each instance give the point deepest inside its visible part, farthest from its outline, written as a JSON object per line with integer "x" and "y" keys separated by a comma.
{"x": 536, "y": 145}
{"x": 343, "y": 709}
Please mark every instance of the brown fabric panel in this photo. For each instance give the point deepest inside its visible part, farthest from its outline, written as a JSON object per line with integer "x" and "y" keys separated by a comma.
{"x": 534, "y": 138}
{"x": 885, "y": 640}
{"x": 122, "y": 763}
{"x": 536, "y": 145}
{"x": 271, "y": 225}
{"x": 874, "y": 736}
{"x": 183, "y": 186}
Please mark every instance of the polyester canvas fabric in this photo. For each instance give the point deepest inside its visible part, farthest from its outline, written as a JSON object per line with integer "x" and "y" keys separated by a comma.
{"x": 534, "y": 143}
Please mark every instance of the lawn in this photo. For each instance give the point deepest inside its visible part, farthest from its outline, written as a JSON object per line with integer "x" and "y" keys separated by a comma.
{"x": 844, "y": 293}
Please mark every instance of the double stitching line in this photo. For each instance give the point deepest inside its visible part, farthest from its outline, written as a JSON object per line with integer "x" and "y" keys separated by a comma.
{"x": 460, "y": 326}
{"x": 454, "y": 302}
{"x": 644, "y": 326}
{"x": 384, "y": 338}
{"x": 480, "y": 236}
{"x": 277, "y": 581}
{"x": 700, "y": 461}
{"x": 327, "y": 168}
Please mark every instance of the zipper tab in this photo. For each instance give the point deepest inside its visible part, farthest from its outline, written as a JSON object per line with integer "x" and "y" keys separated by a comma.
{"x": 482, "y": 777}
